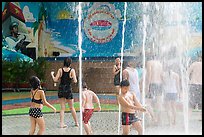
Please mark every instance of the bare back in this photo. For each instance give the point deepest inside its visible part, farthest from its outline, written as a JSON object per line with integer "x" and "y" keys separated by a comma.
{"x": 154, "y": 71}
{"x": 89, "y": 97}
{"x": 37, "y": 96}
{"x": 195, "y": 73}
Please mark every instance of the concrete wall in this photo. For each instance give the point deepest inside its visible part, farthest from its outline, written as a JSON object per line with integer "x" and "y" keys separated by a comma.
{"x": 97, "y": 74}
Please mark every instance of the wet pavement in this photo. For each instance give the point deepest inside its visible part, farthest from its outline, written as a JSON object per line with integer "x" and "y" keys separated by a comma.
{"x": 103, "y": 123}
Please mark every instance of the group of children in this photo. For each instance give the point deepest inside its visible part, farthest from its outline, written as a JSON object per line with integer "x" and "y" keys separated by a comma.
{"x": 66, "y": 74}
{"x": 127, "y": 100}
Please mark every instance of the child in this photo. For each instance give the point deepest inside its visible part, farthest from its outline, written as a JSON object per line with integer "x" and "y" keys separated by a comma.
{"x": 88, "y": 97}
{"x": 171, "y": 86}
{"x": 129, "y": 106}
{"x": 37, "y": 100}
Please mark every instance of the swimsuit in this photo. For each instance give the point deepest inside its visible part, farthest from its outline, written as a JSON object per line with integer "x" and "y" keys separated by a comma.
{"x": 195, "y": 95}
{"x": 65, "y": 89}
{"x": 129, "y": 118}
{"x": 171, "y": 97}
{"x": 39, "y": 101}
{"x": 154, "y": 90}
{"x": 87, "y": 115}
{"x": 35, "y": 112}
{"x": 117, "y": 78}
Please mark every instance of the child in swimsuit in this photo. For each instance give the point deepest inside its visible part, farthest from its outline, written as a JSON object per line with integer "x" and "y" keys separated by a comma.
{"x": 129, "y": 105}
{"x": 88, "y": 97}
{"x": 38, "y": 99}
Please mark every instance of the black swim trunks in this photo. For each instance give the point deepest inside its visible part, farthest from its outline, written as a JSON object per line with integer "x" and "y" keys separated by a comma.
{"x": 66, "y": 95}
{"x": 129, "y": 118}
{"x": 195, "y": 95}
{"x": 154, "y": 90}
{"x": 65, "y": 91}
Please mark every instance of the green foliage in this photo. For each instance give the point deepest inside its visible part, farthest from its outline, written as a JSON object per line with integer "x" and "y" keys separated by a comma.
{"x": 42, "y": 15}
{"x": 19, "y": 71}
{"x": 39, "y": 67}
{"x": 11, "y": 71}
{"x": 35, "y": 27}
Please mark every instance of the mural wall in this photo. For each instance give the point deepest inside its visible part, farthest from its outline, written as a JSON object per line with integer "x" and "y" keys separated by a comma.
{"x": 22, "y": 15}
{"x": 49, "y": 31}
{"x": 101, "y": 28}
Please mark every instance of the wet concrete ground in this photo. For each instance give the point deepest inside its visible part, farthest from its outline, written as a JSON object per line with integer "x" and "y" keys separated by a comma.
{"x": 103, "y": 123}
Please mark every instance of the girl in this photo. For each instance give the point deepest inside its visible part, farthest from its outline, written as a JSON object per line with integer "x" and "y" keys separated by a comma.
{"x": 37, "y": 100}
{"x": 66, "y": 75}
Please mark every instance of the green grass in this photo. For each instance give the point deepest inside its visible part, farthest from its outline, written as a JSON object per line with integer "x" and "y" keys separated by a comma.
{"x": 104, "y": 107}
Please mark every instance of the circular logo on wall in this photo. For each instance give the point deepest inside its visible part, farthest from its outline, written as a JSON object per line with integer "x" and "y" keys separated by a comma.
{"x": 100, "y": 26}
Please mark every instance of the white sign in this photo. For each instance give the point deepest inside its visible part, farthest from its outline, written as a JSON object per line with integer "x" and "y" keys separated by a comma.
{"x": 100, "y": 26}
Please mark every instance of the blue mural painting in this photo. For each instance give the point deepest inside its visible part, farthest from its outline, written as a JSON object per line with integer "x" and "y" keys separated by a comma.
{"x": 55, "y": 29}
{"x": 64, "y": 26}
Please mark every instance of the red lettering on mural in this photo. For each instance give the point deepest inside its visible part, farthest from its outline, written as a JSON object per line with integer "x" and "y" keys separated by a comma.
{"x": 89, "y": 32}
{"x": 105, "y": 12}
{"x": 100, "y": 22}
{"x": 113, "y": 30}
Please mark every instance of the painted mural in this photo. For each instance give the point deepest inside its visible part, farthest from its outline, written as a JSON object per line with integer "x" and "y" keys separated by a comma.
{"x": 101, "y": 28}
{"x": 18, "y": 14}
{"x": 53, "y": 32}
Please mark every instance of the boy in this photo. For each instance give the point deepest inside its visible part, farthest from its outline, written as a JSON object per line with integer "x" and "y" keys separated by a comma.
{"x": 88, "y": 97}
{"x": 129, "y": 106}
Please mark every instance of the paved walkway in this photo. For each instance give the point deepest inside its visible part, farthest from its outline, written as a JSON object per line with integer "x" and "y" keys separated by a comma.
{"x": 103, "y": 123}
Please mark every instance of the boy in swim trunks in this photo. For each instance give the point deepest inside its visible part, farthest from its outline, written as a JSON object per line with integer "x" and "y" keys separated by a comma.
{"x": 129, "y": 105}
{"x": 88, "y": 97}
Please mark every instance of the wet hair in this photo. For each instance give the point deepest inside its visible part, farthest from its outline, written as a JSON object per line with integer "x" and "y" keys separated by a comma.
{"x": 67, "y": 62}
{"x": 124, "y": 83}
{"x": 117, "y": 58}
{"x": 84, "y": 85}
{"x": 34, "y": 82}
{"x": 130, "y": 64}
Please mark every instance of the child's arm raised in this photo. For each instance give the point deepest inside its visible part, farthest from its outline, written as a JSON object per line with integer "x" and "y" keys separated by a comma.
{"x": 57, "y": 77}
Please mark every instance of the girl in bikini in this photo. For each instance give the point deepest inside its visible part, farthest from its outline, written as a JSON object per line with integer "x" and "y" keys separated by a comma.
{"x": 38, "y": 99}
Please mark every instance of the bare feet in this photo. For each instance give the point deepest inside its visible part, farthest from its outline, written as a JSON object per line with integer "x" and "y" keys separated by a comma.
{"x": 76, "y": 124}
{"x": 63, "y": 126}
{"x": 174, "y": 122}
